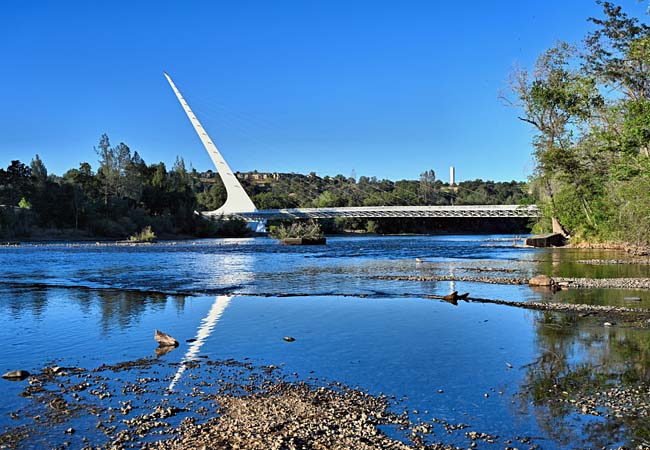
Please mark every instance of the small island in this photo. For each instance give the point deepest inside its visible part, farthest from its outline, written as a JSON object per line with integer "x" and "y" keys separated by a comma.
{"x": 299, "y": 233}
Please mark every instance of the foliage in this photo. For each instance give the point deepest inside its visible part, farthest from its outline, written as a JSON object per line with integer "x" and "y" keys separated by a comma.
{"x": 125, "y": 195}
{"x": 590, "y": 108}
{"x": 145, "y": 235}
{"x": 304, "y": 230}
{"x": 633, "y": 212}
{"x": 371, "y": 226}
{"x": 309, "y": 191}
{"x": 24, "y": 204}
{"x": 224, "y": 227}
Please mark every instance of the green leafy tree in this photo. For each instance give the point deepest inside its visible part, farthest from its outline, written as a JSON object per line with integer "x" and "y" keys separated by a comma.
{"x": 618, "y": 52}
{"x": 15, "y": 183}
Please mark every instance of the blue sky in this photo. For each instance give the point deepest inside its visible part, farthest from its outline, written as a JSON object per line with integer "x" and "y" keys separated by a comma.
{"x": 384, "y": 88}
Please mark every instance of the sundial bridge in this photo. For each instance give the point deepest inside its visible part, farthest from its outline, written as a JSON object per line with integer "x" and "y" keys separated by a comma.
{"x": 239, "y": 204}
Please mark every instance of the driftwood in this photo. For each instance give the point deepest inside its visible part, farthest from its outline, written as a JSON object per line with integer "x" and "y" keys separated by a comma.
{"x": 451, "y": 298}
{"x": 165, "y": 340}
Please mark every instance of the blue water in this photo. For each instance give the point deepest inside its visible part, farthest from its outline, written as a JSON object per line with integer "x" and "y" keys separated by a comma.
{"x": 85, "y": 305}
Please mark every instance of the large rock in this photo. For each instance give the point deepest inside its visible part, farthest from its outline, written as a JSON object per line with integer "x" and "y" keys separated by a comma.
{"x": 165, "y": 340}
{"x": 541, "y": 280}
{"x": 16, "y": 375}
{"x": 545, "y": 240}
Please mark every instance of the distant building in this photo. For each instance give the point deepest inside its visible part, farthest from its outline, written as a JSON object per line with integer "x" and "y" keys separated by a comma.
{"x": 259, "y": 177}
{"x": 209, "y": 176}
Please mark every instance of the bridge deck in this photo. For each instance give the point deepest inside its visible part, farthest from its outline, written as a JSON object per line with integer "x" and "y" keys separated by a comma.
{"x": 373, "y": 212}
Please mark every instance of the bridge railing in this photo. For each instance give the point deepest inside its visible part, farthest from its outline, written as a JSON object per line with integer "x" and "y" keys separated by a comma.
{"x": 461, "y": 211}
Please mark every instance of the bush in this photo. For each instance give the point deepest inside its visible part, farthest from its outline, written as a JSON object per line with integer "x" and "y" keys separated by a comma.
{"x": 146, "y": 235}
{"x": 371, "y": 226}
{"x": 304, "y": 230}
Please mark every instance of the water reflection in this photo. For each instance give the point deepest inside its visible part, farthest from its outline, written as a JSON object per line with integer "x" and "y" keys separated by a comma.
{"x": 205, "y": 329}
{"x": 117, "y": 309}
{"x": 565, "y": 262}
{"x": 581, "y": 359}
{"x": 569, "y": 353}
{"x": 233, "y": 268}
{"x": 123, "y": 308}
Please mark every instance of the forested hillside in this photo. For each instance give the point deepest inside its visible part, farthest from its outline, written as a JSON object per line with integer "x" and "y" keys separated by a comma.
{"x": 124, "y": 194}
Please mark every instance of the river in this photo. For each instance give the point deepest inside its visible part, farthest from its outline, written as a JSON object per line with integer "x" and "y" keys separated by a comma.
{"x": 487, "y": 366}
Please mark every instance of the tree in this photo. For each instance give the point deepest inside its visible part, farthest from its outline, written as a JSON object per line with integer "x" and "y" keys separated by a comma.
{"x": 15, "y": 183}
{"x": 39, "y": 172}
{"x": 591, "y": 113}
{"x": 106, "y": 166}
{"x": 427, "y": 185}
{"x": 557, "y": 100}
{"x": 618, "y": 52}
{"x": 121, "y": 160}
{"x": 135, "y": 171}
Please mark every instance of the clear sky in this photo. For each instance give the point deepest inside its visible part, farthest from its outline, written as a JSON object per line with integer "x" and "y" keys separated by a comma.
{"x": 384, "y": 88}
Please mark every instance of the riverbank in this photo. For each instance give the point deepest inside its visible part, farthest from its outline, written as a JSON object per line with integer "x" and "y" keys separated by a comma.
{"x": 72, "y": 236}
{"x": 234, "y": 405}
{"x": 555, "y": 282}
{"x": 631, "y": 249}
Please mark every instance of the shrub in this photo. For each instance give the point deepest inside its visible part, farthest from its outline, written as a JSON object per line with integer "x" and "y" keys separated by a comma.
{"x": 146, "y": 235}
{"x": 371, "y": 226}
{"x": 305, "y": 230}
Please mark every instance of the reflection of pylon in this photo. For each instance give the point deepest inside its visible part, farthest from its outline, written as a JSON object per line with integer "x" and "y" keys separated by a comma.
{"x": 208, "y": 323}
{"x": 452, "y": 283}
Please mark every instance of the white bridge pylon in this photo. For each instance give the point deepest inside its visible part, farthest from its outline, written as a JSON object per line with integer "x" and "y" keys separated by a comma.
{"x": 239, "y": 204}
{"x": 237, "y": 200}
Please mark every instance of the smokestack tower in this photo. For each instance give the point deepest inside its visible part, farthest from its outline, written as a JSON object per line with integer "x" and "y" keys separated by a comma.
{"x": 452, "y": 176}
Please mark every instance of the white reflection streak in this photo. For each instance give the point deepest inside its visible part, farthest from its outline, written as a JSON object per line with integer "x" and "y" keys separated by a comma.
{"x": 205, "y": 330}
{"x": 452, "y": 284}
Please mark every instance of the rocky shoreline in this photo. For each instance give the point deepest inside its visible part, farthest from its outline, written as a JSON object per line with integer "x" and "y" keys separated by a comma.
{"x": 632, "y": 249}
{"x": 488, "y": 280}
{"x": 220, "y": 404}
{"x": 604, "y": 262}
{"x": 559, "y": 282}
{"x": 603, "y": 283}
{"x": 235, "y": 405}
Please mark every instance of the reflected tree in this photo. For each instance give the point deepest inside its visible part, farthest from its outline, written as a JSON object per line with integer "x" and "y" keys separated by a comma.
{"x": 585, "y": 369}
